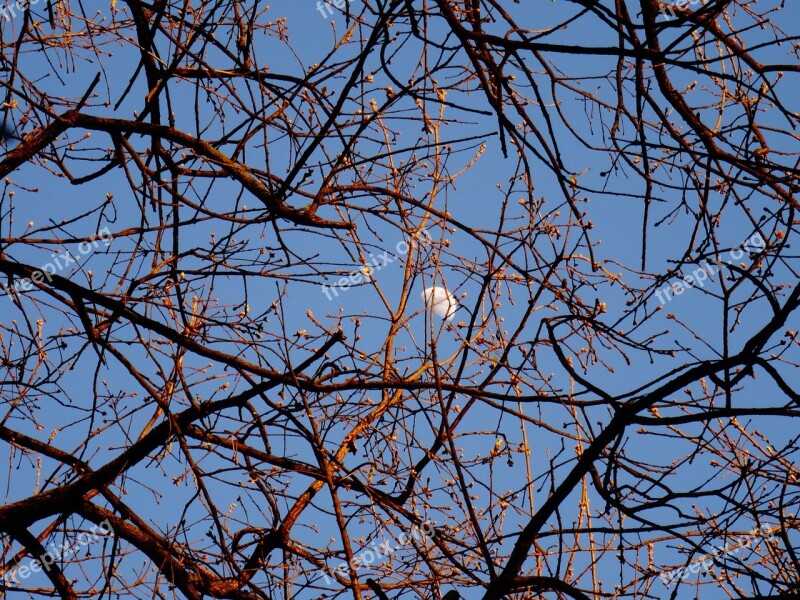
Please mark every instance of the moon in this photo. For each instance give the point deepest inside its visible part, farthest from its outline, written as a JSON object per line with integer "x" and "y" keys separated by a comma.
{"x": 441, "y": 301}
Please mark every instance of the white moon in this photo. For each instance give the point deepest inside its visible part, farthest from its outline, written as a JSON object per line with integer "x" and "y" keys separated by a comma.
{"x": 442, "y": 302}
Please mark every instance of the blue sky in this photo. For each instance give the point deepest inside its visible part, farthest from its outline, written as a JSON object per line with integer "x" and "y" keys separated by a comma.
{"x": 475, "y": 199}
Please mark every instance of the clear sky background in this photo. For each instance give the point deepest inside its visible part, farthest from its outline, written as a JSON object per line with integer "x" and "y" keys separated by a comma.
{"x": 614, "y": 207}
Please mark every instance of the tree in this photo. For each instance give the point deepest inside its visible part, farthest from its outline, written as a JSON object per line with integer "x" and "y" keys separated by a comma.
{"x": 226, "y": 373}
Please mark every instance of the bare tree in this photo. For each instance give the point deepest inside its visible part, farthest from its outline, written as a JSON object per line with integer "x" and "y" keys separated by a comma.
{"x": 404, "y": 298}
